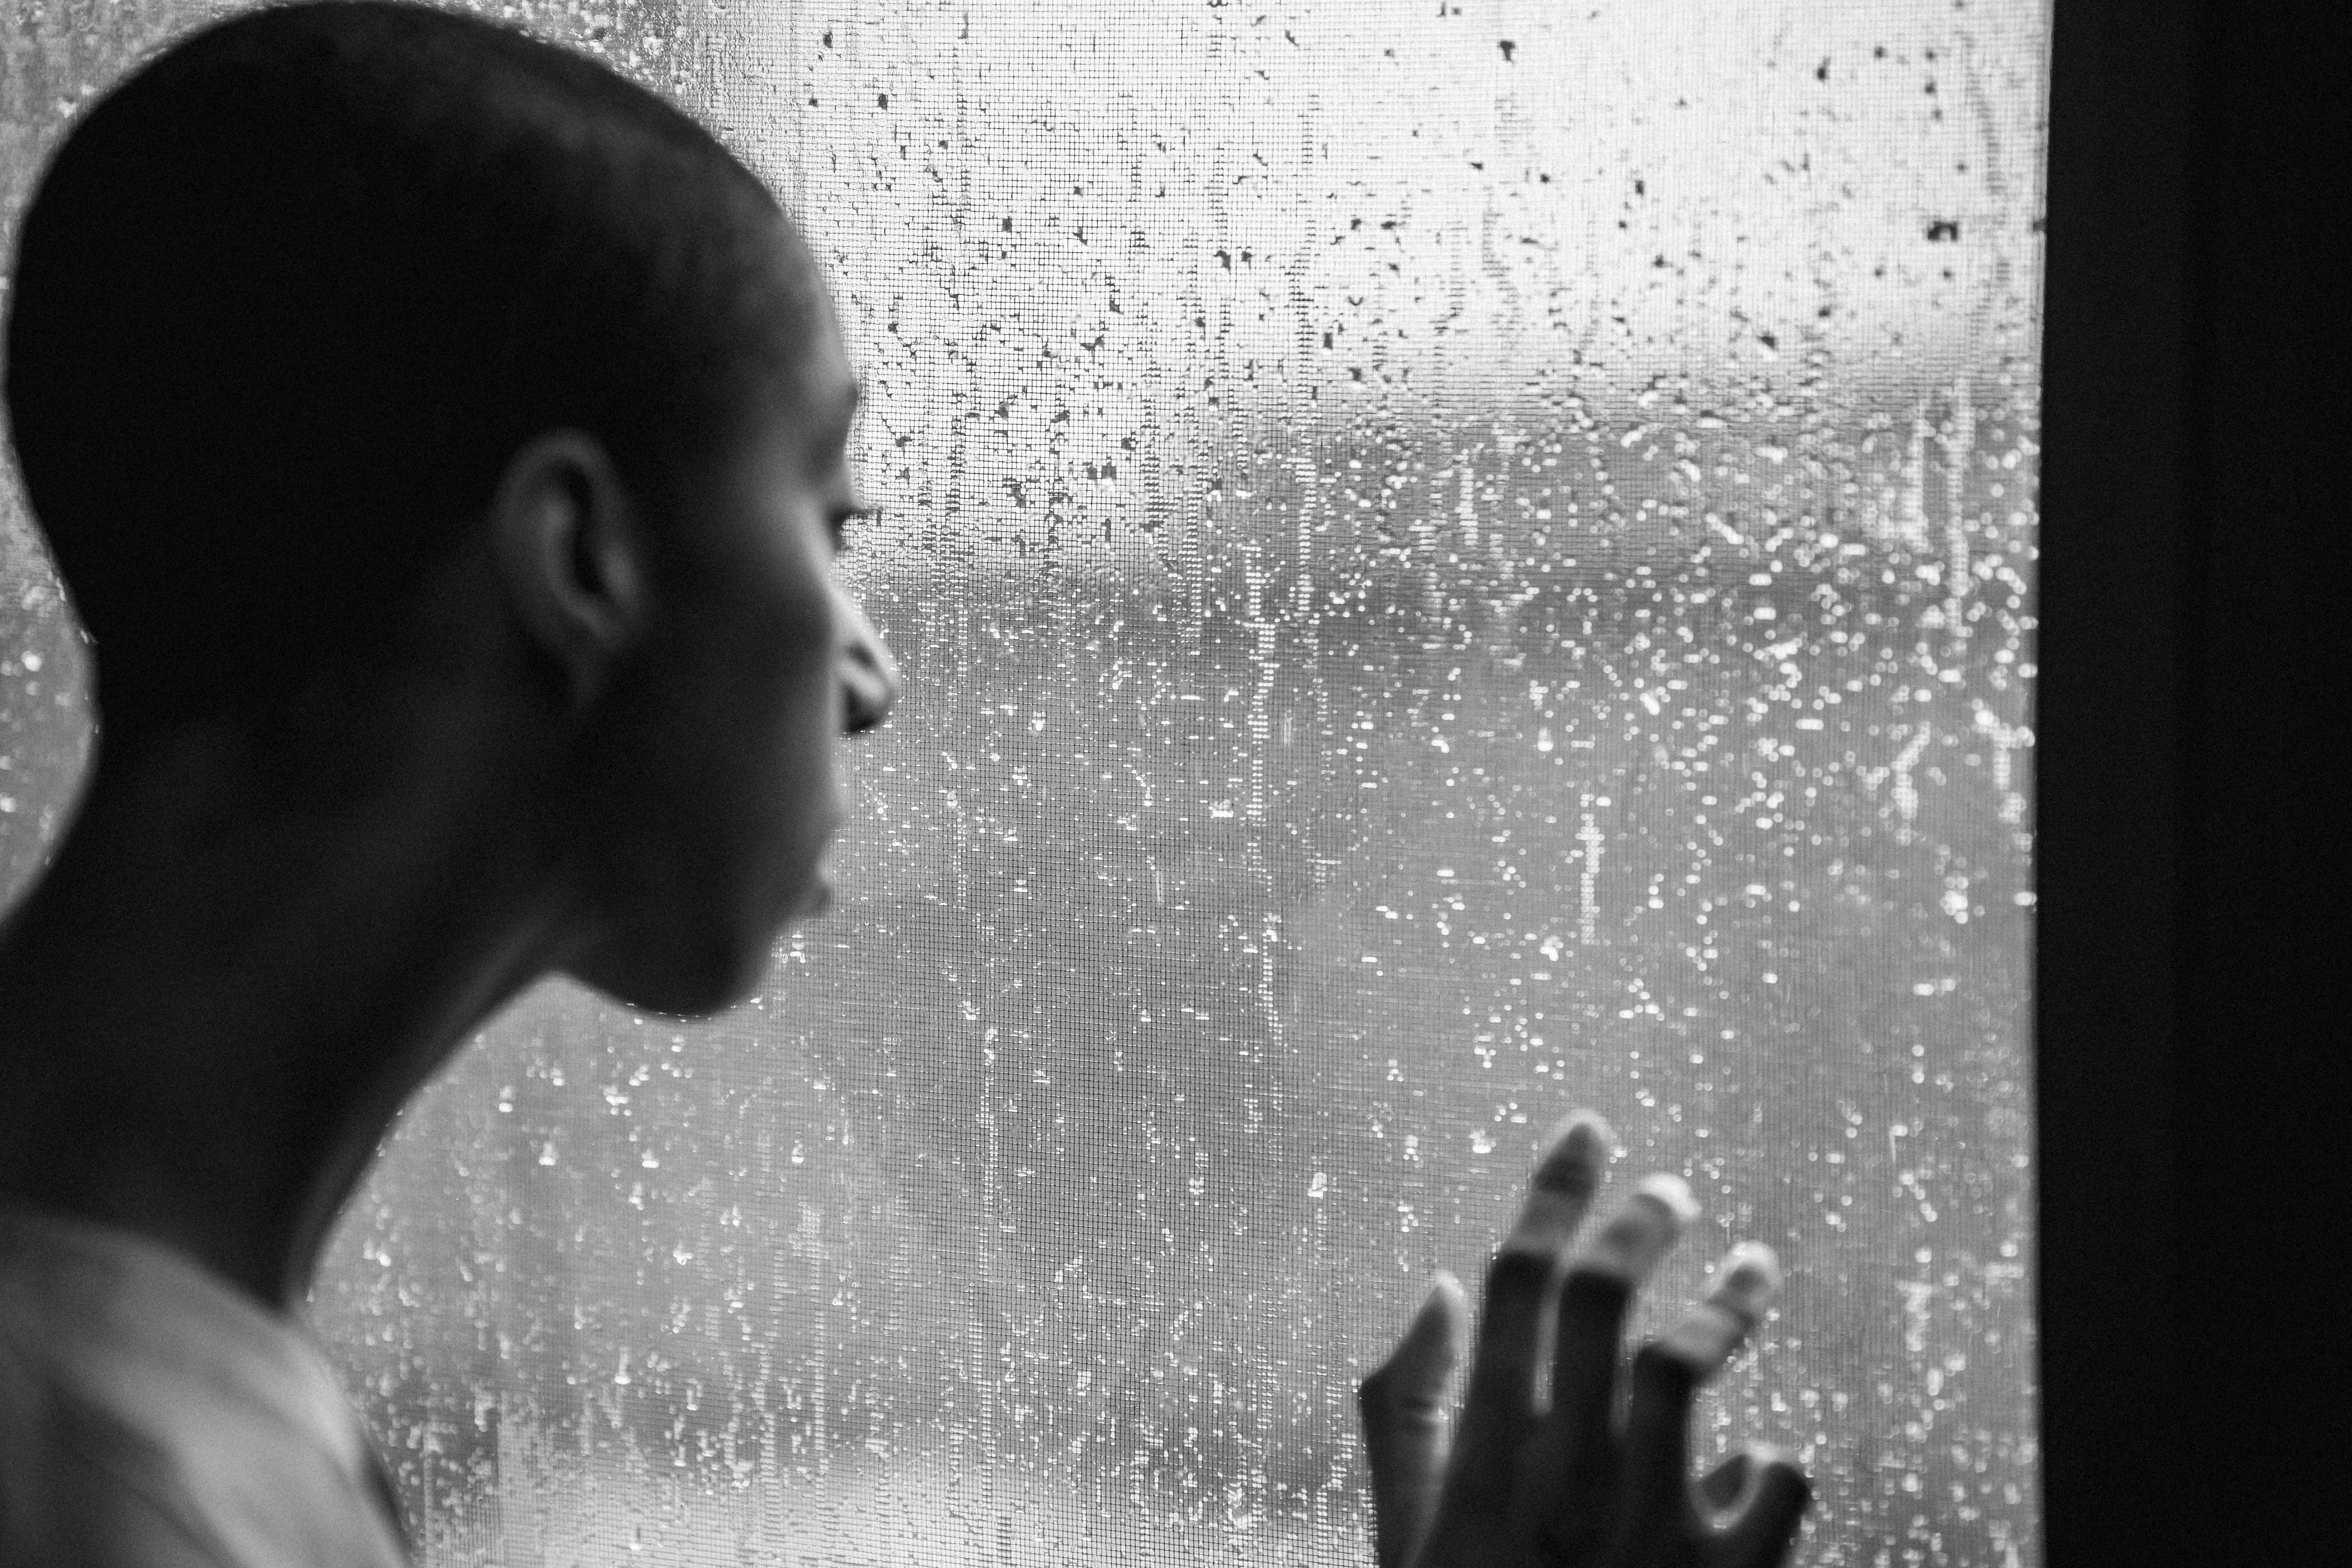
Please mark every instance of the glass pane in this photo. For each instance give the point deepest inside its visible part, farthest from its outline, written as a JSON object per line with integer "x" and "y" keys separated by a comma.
{"x": 1454, "y": 561}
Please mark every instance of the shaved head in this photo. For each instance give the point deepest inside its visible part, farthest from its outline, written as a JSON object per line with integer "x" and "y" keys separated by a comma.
{"x": 288, "y": 299}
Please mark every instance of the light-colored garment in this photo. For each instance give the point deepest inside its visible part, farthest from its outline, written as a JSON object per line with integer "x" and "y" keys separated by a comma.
{"x": 151, "y": 1414}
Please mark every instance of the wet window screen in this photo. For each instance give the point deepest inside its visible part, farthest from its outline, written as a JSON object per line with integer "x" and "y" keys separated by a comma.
{"x": 1454, "y": 562}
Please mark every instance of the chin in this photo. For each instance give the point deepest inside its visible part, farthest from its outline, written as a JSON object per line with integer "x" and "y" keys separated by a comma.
{"x": 682, "y": 981}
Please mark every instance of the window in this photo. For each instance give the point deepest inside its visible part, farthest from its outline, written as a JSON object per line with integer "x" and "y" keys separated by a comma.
{"x": 1454, "y": 561}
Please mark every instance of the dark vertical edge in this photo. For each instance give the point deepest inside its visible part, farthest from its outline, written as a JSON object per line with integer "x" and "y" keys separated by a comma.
{"x": 2108, "y": 732}
{"x": 2259, "y": 1109}
{"x": 2193, "y": 884}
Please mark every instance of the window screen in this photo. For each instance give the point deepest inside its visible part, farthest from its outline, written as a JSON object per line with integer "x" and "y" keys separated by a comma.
{"x": 1454, "y": 562}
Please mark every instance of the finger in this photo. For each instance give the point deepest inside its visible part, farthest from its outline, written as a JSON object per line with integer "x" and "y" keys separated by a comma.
{"x": 1641, "y": 1230}
{"x": 1575, "y": 1157}
{"x": 1736, "y": 1299}
{"x": 1576, "y": 1456}
{"x": 1500, "y": 1409}
{"x": 1747, "y": 1281}
{"x": 1601, "y": 1278}
{"x": 1405, "y": 1408}
{"x": 1669, "y": 1369}
{"x": 1757, "y": 1529}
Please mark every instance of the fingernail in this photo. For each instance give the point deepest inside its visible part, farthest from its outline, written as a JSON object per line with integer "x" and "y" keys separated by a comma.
{"x": 1642, "y": 1231}
{"x": 1671, "y": 1193}
{"x": 1574, "y": 1159}
{"x": 1746, "y": 1280}
{"x": 1594, "y": 1137}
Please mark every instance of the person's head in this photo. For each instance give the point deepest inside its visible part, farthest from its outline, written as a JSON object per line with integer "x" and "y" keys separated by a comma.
{"x": 331, "y": 303}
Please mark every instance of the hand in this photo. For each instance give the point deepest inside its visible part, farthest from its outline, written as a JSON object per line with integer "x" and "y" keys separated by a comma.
{"x": 1542, "y": 1474}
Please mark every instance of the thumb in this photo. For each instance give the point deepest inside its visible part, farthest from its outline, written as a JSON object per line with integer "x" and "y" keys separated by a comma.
{"x": 1407, "y": 1422}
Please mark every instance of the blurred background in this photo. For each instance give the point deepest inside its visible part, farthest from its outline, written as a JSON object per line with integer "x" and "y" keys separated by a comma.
{"x": 1454, "y": 562}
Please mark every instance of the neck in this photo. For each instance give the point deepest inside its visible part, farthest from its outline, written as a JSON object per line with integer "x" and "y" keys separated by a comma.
{"x": 214, "y": 1008}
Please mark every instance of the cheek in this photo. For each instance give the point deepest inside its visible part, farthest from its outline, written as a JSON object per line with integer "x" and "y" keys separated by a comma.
{"x": 752, "y": 710}
{"x": 803, "y": 687}
{"x": 766, "y": 639}
{"x": 787, "y": 701}
{"x": 797, "y": 758}
{"x": 721, "y": 753}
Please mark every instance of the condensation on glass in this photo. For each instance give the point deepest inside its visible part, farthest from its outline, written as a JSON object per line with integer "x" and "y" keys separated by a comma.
{"x": 1454, "y": 561}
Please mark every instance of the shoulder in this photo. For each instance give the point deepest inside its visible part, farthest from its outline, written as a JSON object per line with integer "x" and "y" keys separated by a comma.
{"x": 70, "y": 1490}
{"x": 136, "y": 1432}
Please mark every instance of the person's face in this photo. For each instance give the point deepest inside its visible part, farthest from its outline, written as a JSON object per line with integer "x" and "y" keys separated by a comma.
{"x": 754, "y": 661}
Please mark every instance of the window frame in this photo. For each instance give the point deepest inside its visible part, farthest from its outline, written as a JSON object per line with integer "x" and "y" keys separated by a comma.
{"x": 2188, "y": 858}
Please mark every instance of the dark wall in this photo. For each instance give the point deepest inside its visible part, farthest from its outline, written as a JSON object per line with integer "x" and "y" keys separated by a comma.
{"x": 2191, "y": 860}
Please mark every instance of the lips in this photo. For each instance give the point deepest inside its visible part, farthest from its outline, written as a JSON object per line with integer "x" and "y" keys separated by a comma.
{"x": 820, "y": 895}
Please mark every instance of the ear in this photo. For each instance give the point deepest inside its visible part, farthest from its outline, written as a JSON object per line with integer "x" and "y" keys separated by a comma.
{"x": 570, "y": 555}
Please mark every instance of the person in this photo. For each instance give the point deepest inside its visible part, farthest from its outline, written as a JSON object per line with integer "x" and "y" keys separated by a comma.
{"x": 444, "y": 444}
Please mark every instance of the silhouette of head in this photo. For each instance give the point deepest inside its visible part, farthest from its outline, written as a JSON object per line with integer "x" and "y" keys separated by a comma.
{"x": 319, "y": 296}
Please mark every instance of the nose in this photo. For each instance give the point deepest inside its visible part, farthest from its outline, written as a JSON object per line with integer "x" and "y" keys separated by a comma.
{"x": 870, "y": 686}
